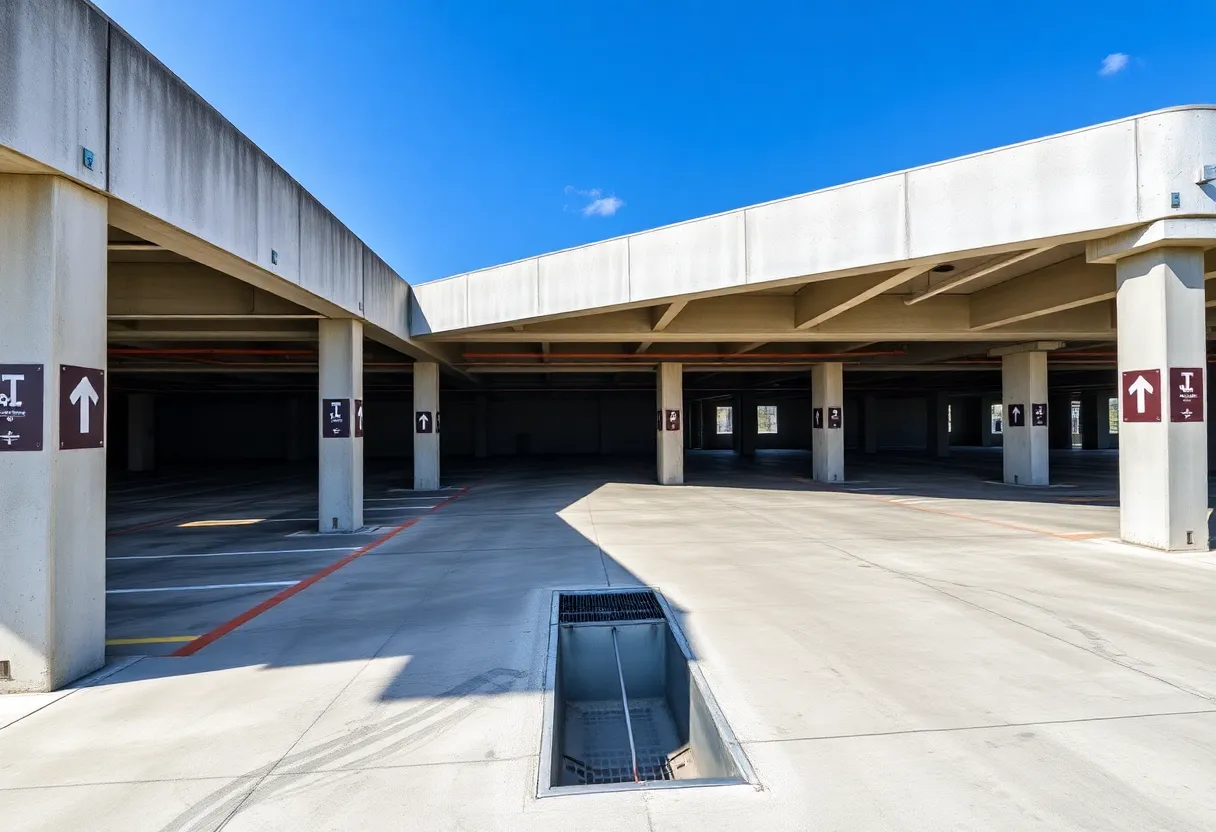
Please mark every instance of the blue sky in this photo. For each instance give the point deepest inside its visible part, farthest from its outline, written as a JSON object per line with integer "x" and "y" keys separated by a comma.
{"x": 456, "y": 135}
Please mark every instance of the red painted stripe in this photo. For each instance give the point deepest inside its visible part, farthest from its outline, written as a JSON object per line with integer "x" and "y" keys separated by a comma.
{"x": 248, "y": 615}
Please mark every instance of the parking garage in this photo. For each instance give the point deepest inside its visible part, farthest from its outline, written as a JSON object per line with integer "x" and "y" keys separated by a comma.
{"x": 259, "y": 370}
{"x": 912, "y": 459}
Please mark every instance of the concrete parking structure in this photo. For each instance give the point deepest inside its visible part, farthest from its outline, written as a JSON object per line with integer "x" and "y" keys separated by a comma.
{"x": 920, "y": 462}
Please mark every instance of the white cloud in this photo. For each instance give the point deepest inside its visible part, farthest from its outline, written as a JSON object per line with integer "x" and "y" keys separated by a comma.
{"x": 604, "y": 207}
{"x": 1113, "y": 63}
{"x": 600, "y": 205}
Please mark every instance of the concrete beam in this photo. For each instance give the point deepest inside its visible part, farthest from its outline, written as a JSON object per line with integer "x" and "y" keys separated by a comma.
{"x": 161, "y": 290}
{"x": 1056, "y": 288}
{"x": 662, "y": 319}
{"x": 1174, "y": 232}
{"x": 820, "y": 302}
{"x": 988, "y": 267}
{"x": 765, "y": 318}
{"x": 1017, "y": 349}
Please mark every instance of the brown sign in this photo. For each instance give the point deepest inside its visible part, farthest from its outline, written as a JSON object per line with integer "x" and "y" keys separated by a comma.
{"x": 82, "y": 408}
{"x": 358, "y": 417}
{"x": 673, "y": 420}
{"x": 1140, "y": 399}
{"x": 834, "y": 418}
{"x": 335, "y": 418}
{"x": 20, "y": 407}
{"x": 1186, "y": 394}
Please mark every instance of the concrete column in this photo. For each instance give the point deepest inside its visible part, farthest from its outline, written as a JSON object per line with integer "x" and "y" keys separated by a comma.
{"x": 869, "y": 425}
{"x": 340, "y": 493}
{"x": 426, "y": 437}
{"x": 481, "y": 426}
{"x": 141, "y": 432}
{"x": 1059, "y": 428}
{"x": 295, "y": 430}
{"x": 670, "y": 442}
{"x": 736, "y": 423}
{"x": 1024, "y": 379}
{"x": 52, "y": 500}
{"x": 748, "y": 423}
{"x": 1163, "y": 478}
{"x": 827, "y": 443}
{"x": 1095, "y": 419}
{"x": 989, "y": 439}
{"x": 937, "y": 424}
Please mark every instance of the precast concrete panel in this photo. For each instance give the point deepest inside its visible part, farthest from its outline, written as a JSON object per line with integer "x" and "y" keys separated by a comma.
{"x": 1172, "y": 147}
{"x": 504, "y": 293}
{"x": 1062, "y": 185}
{"x": 53, "y": 84}
{"x": 439, "y": 306}
{"x": 278, "y": 219}
{"x": 175, "y": 157}
{"x": 386, "y": 297}
{"x": 331, "y": 257}
{"x": 696, "y": 256}
{"x": 841, "y": 228}
{"x": 584, "y": 278}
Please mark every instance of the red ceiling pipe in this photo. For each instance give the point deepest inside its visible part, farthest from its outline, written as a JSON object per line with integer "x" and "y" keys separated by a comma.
{"x": 613, "y": 356}
{"x": 210, "y": 351}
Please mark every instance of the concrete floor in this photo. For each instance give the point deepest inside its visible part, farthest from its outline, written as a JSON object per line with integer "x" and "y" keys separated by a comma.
{"x": 175, "y": 568}
{"x": 929, "y": 653}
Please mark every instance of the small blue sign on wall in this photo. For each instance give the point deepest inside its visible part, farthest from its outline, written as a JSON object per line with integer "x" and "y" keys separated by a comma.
{"x": 87, "y": 157}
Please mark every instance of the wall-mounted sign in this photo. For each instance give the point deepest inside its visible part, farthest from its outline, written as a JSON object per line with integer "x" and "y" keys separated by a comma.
{"x": 1038, "y": 415}
{"x": 424, "y": 422}
{"x": 817, "y": 417}
{"x": 1141, "y": 396}
{"x": 1017, "y": 415}
{"x": 21, "y": 388}
{"x": 82, "y": 408}
{"x": 1186, "y": 394}
{"x": 335, "y": 418}
{"x": 673, "y": 420}
{"x": 834, "y": 418}
{"x": 358, "y": 420}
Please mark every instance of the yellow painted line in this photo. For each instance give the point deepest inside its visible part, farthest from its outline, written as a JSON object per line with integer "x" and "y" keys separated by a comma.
{"x": 114, "y": 642}
{"x": 206, "y": 524}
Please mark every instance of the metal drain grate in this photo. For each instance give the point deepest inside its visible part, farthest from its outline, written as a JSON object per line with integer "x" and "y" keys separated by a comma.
{"x": 605, "y": 741}
{"x": 598, "y": 607}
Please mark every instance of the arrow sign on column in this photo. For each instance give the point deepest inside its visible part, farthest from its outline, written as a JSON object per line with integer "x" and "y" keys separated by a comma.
{"x": 1140, "y": 397}
{"x": 1139, "y": 388}
{"x": 83, "y": 396}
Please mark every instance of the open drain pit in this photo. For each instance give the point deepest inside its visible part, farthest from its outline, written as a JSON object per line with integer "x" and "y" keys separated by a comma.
{"x": 626, "y": 706}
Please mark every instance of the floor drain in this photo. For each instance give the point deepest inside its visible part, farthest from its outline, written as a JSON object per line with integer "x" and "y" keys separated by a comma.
{"x": 599, "y": 607}
{"x": 626, "y": 707}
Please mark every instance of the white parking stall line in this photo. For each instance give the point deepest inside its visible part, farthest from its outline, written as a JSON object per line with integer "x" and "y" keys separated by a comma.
{"x": 233, "y": 554}
{"x": 393, "y": 499}
{"x": 259, "y": 585}
{"x": 397, "y": 508}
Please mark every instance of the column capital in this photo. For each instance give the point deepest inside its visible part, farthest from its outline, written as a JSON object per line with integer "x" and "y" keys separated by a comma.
{"x": 1180, "y": 232}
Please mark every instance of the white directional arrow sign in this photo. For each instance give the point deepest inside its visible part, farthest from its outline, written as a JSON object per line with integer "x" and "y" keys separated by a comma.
{"x": 1140, "y": 399}
{"x": 1140, "y": 388}
{"x": 1015, "y": 412}
{"x": 82, "y": 408}
{"x": 422, "y": 421}
{"x": 84, "y": 396}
